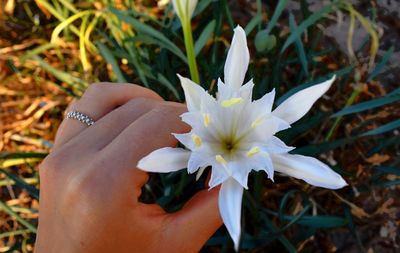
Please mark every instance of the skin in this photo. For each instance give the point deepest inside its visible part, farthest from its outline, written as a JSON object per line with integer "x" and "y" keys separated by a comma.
{"x": 90, "y": 185}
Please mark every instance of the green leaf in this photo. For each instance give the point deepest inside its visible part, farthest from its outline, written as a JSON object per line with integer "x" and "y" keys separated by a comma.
{"x": 389, "y": 183}
{"x": 10, "y": 212}
{"x": 31, "y": 189}
{"x": 150, "y": 31}
{"x": 389, "y": 98}
{"x": 71, "y": 80}
{"x": 389, "y": 170}
{"x": 316, "y": 149}
{"x": 204, "y": 36}
{"x": 321, "y": 221}
{"x": 277, "y": 13}
{"x": 163, "y": 80}
{"x": 311, "y": 20}
{"x": 109, "y": 57}
{"x": 253, "y": 23}
{"x": 383, "y": 129}
{"x": 299, "y": 45}
{"x": 381, "y": 64}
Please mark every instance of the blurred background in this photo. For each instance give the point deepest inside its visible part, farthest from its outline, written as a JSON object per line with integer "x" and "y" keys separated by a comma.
{"x": 52, "y": 50}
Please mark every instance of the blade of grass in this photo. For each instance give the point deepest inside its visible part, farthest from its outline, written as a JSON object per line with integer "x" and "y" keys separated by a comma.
{"x": 204, "y": 37}
{"x": 311, "y": 20}
{"x": 383, "y": 129}
{"x": 377, "y": 70}
{"x": 109, "y": 57}
{"x": 299, "y": 46}
{"x": 148, "y": 30}
{"x": 13, "y": 214}
{"x": 277, "y": 13}
{"x": 73, "y": 81}
{"x": 31, "y": 189}
{"x": 392, "y": 97}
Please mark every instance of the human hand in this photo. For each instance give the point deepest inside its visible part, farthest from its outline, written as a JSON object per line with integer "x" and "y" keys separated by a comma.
{"x": 90, "y": 184}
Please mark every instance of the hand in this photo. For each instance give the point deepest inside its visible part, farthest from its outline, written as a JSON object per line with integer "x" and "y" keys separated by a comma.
{"x": 90, "y": 184}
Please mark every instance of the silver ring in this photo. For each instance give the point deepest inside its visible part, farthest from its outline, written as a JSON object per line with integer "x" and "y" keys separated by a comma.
{"x": 81, "y": 117}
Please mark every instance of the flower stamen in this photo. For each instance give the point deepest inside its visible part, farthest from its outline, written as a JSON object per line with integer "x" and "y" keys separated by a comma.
{"x": 221, "y": 160}
{"x": 257, "y": 122}
{"x": 206, "y": 119}
{"x": 231, "y": 102}
{"x": 253, "y": 151}
{"x": 197, "y": 140}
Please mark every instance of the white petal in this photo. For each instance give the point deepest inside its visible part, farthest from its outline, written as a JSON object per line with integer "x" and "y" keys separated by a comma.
{"x": 224, "y": 91}
{"x": 218, "y": 175}
{"x": 230, "y": 207}
{"x": 246, "y": 91}
{"x": 267, "y": 165}
{"x": 186, "y": 139}
{"x": 264, "y": 104}
{"x": 193, "y": 93}
{"x": 240, "y": 172}
{"x": 165, "y": 160}
{"x": 237, "y": 60}
{"x": 276, "y": 146}
{"x": 187, "y": 8}
{"x": 196, "y": 161}
{"x": 308, "y": 169}
{"x": 191, "y": 7}
{"x": 296, "y": 106}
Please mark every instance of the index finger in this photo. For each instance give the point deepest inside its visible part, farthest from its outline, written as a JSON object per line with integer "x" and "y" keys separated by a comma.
{"x": 96, "y": 102}
{"x": 148, "y": 133}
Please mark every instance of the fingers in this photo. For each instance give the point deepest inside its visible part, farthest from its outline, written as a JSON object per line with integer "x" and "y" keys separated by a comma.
{"x": 99, "y": 100}
{"x": 111, "y": 125}
{"x": 151, "y": 131}
{"x": 198, "y": 220}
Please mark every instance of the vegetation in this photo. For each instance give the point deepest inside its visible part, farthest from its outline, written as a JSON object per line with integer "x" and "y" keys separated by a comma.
{"x": 50, "y": 51}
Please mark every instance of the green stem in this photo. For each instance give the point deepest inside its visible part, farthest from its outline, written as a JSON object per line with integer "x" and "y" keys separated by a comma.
{"x": 187, "y": 34}
{"x": 350, "y": 101}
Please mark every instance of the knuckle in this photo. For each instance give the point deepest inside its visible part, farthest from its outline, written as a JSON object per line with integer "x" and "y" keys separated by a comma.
{"x": 141, "y": 104}
{"x": 94, "y": 89}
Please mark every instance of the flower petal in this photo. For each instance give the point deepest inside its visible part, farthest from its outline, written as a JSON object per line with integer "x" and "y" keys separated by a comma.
{"x": 219, "y": 174}
{"x": 246, "y": 91}
{"x": 197, "y": 160}
{"x": 165, "y": 160}
{"x": 276, "y": 146}
{"x": 239, "y": 172}
{"x": 187, "y": 8}
{"x": 191, "y": 6}
{"x": 237, "y": 60}
{"x": 186, "y": 139}
{"x": 296, "y": 106}
{"x": 230, "y": 207}
{"x": 193, "y": 93}
{"x": 264, "y": 104}
{"x": 308, "y": 169}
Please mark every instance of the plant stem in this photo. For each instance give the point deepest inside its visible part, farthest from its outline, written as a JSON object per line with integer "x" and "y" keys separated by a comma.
{"x": 187, "y": 34}
{"x": 350, "y": 101}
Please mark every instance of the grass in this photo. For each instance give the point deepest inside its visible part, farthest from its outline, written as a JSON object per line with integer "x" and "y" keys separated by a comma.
{"x": 60, "y": 47}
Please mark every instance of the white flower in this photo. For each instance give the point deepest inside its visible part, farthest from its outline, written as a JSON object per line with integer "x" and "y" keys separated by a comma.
{"x": 184, "y": 8}
{"x": 235, "y": 135}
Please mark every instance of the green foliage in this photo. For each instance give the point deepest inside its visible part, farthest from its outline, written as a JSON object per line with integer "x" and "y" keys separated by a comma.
{"x": 140, "y": 48}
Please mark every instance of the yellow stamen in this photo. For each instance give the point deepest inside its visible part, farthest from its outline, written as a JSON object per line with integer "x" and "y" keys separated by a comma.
{"x": 253, "y": 151}
{"x": 231, "y": 102}
{"x": 196, "y": 139}
{"x": 221, "y": 160}
{"x": 257, "y": 122}
{"x": 206, "y": 119}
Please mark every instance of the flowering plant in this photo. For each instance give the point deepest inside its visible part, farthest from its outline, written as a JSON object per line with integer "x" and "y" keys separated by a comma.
{"x": 235, "y": 135}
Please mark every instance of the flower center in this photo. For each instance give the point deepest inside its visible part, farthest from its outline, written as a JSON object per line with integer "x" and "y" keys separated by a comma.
{"x": 229, "y": 145}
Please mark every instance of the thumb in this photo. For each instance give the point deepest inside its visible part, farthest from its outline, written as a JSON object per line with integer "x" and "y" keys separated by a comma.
{"x": 197, "y": 221}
